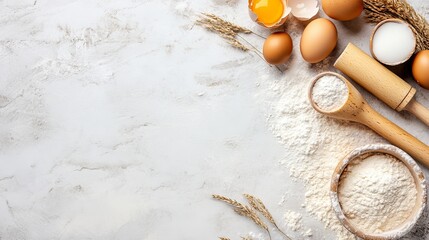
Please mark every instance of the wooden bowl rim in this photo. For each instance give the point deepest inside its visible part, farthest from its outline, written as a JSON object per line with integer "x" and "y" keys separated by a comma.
{"x": 415, "y": 171}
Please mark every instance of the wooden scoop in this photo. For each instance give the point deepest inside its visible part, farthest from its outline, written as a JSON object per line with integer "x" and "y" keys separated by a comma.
{"x": 381, "y": 82}
{"x": 356, "y": 109}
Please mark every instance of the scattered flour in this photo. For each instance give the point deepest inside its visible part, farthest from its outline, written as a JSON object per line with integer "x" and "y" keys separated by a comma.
{"x": 315, "y": 143}
{"x": 183, "y": 8}
{"x": 282, "y": 200}
{"x": 253, "y": 236}
{"x": 377, "y": 193}
{"x": 293, "y": 220}
{"x": 329, "y": 93}
{"x": 308, "y": 233}
{"x": 311, "y": 138}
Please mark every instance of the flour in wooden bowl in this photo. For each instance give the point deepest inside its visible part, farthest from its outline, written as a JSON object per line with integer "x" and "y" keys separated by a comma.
{"x": 377, "y": 193}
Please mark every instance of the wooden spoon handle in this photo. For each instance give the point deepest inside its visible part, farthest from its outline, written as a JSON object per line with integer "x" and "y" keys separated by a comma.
{"x": 419, "y": 111}
{"x": 396, "y": 135}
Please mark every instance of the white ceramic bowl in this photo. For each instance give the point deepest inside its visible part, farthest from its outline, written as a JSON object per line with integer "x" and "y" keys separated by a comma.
{"x": 372, "y": 38}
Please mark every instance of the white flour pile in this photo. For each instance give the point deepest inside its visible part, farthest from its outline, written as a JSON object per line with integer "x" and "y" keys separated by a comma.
{"x": 377, "y": 193}
{"x": 329, "y": 93}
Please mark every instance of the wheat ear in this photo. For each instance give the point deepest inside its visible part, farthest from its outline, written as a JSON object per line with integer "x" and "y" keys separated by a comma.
{"x": 223, "y": 28}
{"x": 379, "y": 10}
{"x": 243, "y": 210}
{"x": 246, "y": 238}
{"x": 230, "y": 25}
{"x": 259, "y": 206}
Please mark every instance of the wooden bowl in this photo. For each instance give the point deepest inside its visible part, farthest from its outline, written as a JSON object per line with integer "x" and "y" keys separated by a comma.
{"x": 415, "y": 171}
{"x": 372, "y": 37}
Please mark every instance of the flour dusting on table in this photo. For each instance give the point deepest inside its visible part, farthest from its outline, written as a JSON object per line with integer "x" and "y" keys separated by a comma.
{"x": 316, "y": 143}
{"x": 293, "y": 220}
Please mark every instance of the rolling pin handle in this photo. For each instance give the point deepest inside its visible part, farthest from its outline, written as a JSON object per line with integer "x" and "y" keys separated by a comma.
{"x": 420, "y": 111}
{"x": 396, "y": 135}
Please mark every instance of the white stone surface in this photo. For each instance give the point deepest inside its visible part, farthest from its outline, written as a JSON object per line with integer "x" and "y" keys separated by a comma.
{"x": 119, "y": 119}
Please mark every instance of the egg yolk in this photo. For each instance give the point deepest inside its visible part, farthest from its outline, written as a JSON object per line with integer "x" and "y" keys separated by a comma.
{"x": 268, "y": 11}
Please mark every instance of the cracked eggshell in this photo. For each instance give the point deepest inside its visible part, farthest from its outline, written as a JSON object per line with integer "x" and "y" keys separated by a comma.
{"x": 279, "y": 23}
{"x": 303, "y": 10}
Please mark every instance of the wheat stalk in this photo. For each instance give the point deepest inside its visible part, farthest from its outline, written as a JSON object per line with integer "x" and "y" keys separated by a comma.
{"x": 235, "y": 43}
{"x": 242, "y": 238}
{"x": 259, "y": 206}
{"x": 379, "y": 10}
{"x": 243, "y": 210}
{"x": 230, "y": 32}
{"x": 246, "y": 238}
{"x": 232, "y": 26}
{"x": 223, "y": 28}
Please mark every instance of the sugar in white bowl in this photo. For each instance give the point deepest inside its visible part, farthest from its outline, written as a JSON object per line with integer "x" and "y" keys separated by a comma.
{"x": 393, "y": 42}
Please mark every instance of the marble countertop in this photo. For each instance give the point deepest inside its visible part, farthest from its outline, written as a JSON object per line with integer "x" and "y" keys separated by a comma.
{"x": 119, "y": 119}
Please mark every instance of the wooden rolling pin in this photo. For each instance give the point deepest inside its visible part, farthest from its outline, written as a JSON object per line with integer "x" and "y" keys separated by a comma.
{"x": 381, "y": 82}
{"x": 356, "y": 109}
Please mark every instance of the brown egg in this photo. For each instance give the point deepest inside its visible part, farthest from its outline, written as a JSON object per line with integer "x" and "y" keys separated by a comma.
{"x": 318, "y": 40}
{"x": 277, "y": 48}
{"x": 421, "y": 68}
{"x": 343, "y": 10}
